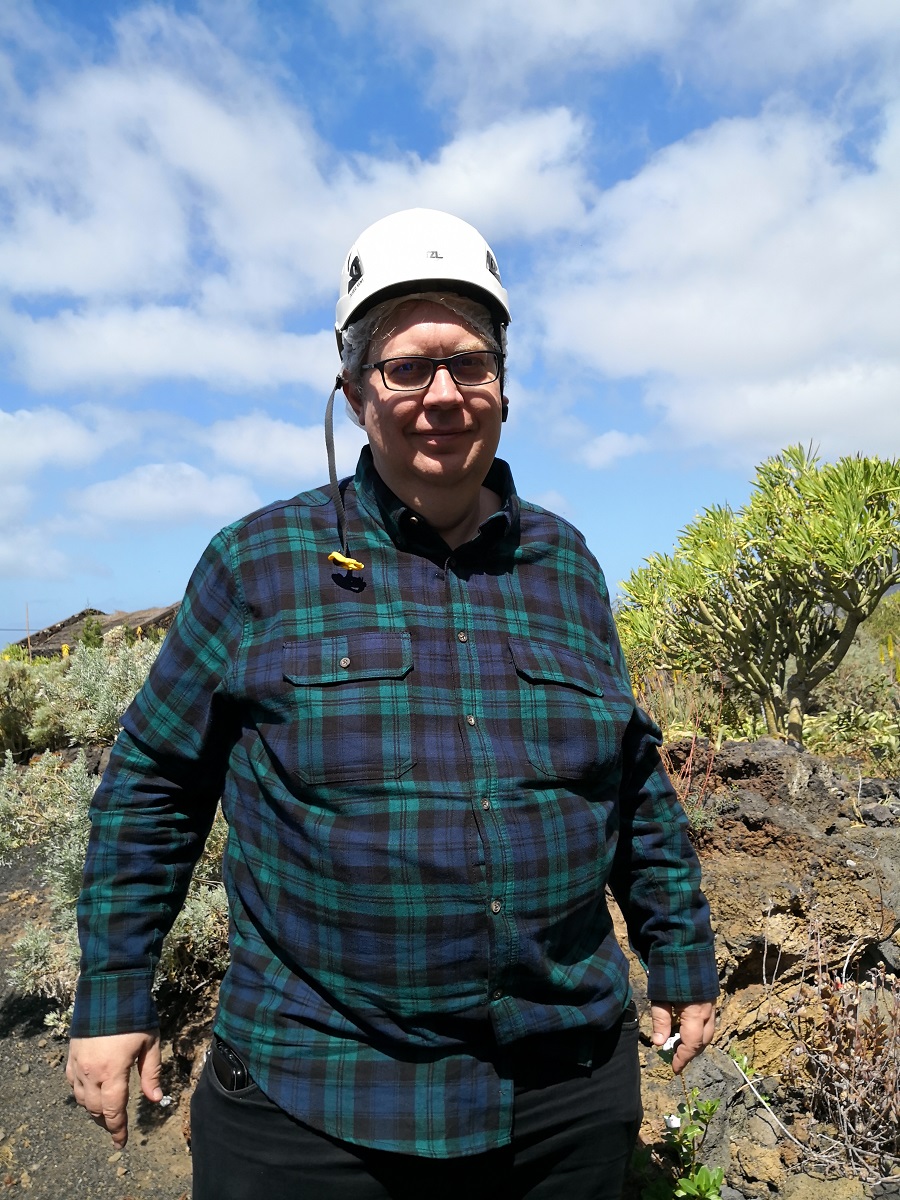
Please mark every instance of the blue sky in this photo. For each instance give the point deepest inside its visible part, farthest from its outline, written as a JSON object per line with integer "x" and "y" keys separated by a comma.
{"x": 694, "y": 204}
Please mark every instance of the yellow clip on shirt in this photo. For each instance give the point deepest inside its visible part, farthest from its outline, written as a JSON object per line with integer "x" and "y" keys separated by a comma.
{"x": 350, "y": 564}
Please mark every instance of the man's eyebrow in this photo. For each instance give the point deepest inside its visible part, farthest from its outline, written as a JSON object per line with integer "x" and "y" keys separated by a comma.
{"x": 461, "y": 350}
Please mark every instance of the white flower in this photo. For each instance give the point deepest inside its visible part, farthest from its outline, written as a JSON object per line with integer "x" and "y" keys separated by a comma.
{"x": 672, "y": 1120}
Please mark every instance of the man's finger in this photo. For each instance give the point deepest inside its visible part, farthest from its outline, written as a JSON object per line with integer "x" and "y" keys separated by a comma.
{"x": 661, "y": 1015}
{"x": 149, "y": 1066}
{"x": 106, "y": 1105}
{"x": 115, "y": 1109}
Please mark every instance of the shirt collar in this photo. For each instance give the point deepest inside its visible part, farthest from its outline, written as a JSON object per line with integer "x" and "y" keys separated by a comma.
{"x": 411, "y": 532}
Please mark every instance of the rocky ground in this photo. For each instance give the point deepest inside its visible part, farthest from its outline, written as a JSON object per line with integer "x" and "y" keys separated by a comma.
{"x": 796, "y": 853}
{"x": 799, "y": 857}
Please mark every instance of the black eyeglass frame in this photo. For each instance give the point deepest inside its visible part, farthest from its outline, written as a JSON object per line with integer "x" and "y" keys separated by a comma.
{"x": 435, "y": 363}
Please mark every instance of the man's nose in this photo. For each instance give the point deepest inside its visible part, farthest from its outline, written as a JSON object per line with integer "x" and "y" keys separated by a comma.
{"x": 443, "y": 388}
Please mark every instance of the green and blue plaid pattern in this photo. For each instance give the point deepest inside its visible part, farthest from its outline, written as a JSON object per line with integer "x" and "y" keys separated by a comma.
{"x": 431, "y": 770}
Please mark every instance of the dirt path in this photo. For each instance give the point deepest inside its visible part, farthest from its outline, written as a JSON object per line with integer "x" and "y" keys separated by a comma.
{"x": 49, "y": 1148}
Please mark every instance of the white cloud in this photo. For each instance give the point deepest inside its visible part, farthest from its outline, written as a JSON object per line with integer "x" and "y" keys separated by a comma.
{"x": 739, "y": 264}
{"x": 747, "y": 247}
{"x": 273, "y": 449}
{"x": 129, "y": 346}
{"x": 606, "y": 448}
{"x": 488, "y": 54}
{"x": 841, "y": 410}
{"x": 484, "y": 49}
{"x": 14, "y": 501}
{"x": 519, "y": 177}
{"x": 26, "y": 553}
{"x": 166, "y": 493}
{"x": 31, "y": 439}
{"x": 554, "y": 501}
{"x": 769, "y": 42}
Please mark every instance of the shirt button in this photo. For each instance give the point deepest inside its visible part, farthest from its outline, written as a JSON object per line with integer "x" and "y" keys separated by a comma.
{"x": 462, "y": 636}
{"x": 496, "y": 906}
{"x": 470, "y": 720}
{"x": 413, "y": 520}
{"x": 485, "y": 803}
{"x": 497, "y": 995}
{"x": 345, "y": 662}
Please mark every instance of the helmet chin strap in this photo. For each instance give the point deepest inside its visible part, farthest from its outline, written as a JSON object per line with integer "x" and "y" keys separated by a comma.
{"x": 332, "y": 468}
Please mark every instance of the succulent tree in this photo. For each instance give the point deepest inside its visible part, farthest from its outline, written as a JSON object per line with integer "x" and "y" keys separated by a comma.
{"x": 772, "y": 594}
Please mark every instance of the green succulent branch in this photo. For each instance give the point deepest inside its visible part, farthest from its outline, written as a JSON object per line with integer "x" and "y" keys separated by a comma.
{"x": 770, "y": 596}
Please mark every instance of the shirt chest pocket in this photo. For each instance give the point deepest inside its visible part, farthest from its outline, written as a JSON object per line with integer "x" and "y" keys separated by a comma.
{"x": 574, "y": 709}
{"x": 351, "y": 701}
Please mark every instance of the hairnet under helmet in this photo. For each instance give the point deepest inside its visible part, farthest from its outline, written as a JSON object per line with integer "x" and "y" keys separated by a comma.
{"x": 418, "y": 250}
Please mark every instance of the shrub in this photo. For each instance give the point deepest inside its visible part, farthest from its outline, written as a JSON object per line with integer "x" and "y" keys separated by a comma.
{"x": 845, "y": 1065}
{"x": 43, "y": 803}
{"x": 50, "y": 703}
{"x": 45, "y": 963}
{"x": 14, "y": 653}
{"x": 866, "y": 678}
{"x": 872, "y": 737}
{"x": 87, "y": 700}
{"x": 91, "y": 636}
{"x": 196, "y": 951}
{"x": 18, "y": 700}
{"x": 687, "y": 704}
{"x": 21, "y": 684}
{"x": 856, "y": 711}
{"x": 885, "y": 620}
{"x": 47, "y": 805}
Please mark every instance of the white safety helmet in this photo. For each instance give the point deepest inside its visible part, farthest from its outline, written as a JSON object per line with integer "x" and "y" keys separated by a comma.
{"x": 418, "y": 250}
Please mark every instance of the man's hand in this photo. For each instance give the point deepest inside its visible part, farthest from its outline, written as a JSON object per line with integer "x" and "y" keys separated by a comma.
{"x": 695, "y": 1022}
{"x": 99, "y": 1070}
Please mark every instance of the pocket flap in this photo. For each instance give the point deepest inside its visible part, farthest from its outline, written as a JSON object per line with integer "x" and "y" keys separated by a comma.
{"x": 375, "y": 654}
{"x": 541, "y": 662}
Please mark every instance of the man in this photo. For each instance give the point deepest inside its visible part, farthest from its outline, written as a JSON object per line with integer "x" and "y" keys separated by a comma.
{"x": 432, "y": 767}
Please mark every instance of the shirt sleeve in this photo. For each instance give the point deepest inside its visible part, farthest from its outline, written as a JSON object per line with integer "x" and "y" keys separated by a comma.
{"x": 155, "y": 805}
{"x": 656, "y": 876}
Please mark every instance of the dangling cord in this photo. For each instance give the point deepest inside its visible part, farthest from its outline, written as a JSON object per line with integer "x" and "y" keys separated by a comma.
{"x": 343, "y": 559}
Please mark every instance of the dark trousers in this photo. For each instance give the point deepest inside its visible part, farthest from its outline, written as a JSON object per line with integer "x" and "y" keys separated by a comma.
{"x": 574, "y": 1130}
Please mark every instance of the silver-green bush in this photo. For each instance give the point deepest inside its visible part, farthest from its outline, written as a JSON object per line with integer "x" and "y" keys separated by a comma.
{"x": 87, "y": 700}
{"x": 46, "y": 805}
{"x": 21, "y": 684}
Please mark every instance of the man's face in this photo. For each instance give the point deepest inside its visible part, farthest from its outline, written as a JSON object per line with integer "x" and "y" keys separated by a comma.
{"x": 444, "y": 435}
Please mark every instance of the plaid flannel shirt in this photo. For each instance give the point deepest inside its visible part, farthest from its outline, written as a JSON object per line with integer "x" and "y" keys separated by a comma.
{"x": 431, "y": 771}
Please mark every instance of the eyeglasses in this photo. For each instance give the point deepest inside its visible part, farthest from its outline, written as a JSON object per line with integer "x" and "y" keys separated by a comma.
{"x": 414, "y": 372}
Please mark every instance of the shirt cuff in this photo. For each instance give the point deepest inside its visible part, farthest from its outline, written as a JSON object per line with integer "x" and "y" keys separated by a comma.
{"x": 682, "y": 976}
{"x": 119, "y": 1002}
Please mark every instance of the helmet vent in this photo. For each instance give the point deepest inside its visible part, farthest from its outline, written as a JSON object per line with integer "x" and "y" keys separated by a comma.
{"x": 355, "y": 273}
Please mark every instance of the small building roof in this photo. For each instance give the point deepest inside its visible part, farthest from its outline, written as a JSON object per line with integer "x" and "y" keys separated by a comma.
{"x": 48, "y": 642}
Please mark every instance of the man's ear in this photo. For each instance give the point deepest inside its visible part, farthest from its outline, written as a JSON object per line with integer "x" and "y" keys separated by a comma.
{"x": 353, "y": 398}
{"x": 504, "y": 408}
